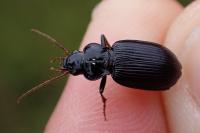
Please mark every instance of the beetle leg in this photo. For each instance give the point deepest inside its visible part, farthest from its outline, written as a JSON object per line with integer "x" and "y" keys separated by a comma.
{"x": 102, "y": 85}
{"x": 61, "y": 59}
{"x": 101, "y": 90}
{"x": 104, "y": 42}
{"x": 53, "y": 59}
{"x": 61, "y": 70}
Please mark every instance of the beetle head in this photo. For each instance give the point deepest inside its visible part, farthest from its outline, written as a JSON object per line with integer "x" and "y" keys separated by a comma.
{"x": 73, "y": 63}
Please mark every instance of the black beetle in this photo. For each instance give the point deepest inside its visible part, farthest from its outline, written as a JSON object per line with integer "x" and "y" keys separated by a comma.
{"x": 132, "y": 63}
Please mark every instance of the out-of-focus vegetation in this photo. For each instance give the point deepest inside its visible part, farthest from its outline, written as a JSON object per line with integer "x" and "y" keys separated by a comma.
{"x": 25, "y": 56}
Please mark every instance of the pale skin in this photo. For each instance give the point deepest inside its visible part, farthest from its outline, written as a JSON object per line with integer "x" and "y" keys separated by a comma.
{"x": 177, "y": 110}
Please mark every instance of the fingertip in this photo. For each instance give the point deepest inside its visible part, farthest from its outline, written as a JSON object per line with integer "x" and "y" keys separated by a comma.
{"x": 182, "y": 101}
{"x": 80, "y": 107}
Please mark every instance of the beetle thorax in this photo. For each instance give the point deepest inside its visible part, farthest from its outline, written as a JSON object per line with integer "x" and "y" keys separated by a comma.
{"x": 96, "y": 60}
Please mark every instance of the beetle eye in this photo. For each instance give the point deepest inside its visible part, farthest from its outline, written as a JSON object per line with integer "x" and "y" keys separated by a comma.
{"x": 70, "y": 67}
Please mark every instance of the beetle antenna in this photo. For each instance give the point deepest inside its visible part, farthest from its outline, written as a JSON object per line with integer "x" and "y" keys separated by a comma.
{"x": 29, "y": 92}
{"x": 51, "y": 39}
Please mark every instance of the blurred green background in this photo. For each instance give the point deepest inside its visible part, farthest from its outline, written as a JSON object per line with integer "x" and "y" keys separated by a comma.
{"x": 25, "y": 56}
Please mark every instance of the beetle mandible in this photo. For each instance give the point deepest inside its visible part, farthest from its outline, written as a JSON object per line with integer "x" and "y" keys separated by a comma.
{"x": 131, "y": 63}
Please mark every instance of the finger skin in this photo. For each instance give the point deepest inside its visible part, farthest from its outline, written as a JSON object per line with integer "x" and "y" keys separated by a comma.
{"x": 128, "y": 110}
{"x": 183, "y": 101}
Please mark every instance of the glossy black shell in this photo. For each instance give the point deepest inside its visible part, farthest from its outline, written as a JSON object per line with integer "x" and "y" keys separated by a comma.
{"x": 144, "y": 65}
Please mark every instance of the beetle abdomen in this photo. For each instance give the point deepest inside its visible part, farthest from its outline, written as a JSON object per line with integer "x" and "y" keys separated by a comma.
{"x": 144, "y": 65}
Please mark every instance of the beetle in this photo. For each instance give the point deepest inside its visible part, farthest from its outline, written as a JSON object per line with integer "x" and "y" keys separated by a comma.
{"x": 131, "y": 63}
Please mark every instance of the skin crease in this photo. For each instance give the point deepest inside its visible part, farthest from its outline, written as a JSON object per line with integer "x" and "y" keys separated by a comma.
{"x": 79, "y": 109}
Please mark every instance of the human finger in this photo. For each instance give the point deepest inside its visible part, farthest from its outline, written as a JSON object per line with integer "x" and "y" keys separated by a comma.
{"x": 183, "y": 101}
{"x": 80, "y": 108}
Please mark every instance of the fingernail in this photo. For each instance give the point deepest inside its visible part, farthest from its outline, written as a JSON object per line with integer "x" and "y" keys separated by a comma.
{"x": 191, "y": 61}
